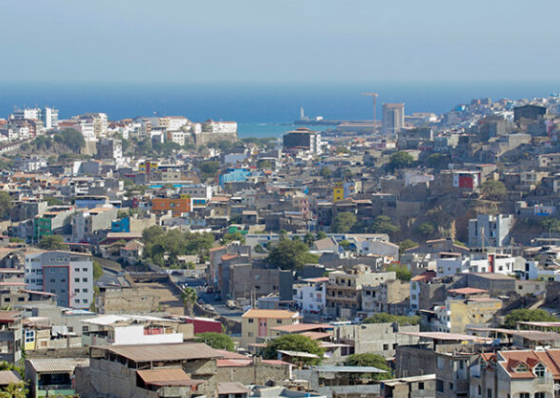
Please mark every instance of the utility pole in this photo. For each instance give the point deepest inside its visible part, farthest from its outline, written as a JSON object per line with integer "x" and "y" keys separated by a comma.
{"x": 374, "y": 96}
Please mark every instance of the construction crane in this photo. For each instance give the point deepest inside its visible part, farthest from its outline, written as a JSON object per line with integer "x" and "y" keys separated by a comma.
{"x": 374, "y": 96}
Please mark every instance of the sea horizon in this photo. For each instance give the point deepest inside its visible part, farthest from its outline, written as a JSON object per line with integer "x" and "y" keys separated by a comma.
{"x": 260, "y": 109}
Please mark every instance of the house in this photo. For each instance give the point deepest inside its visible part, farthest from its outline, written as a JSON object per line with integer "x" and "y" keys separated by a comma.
{"x": 256, "y": 324}
{"x": 159, "y": 370}
{"x": 53, "y": 376}
{"x": 410, "y": 387}
{"x": 10, "y": 336}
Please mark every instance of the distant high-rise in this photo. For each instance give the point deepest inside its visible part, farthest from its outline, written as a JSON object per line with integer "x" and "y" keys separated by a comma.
{"x": 393, "y": 118}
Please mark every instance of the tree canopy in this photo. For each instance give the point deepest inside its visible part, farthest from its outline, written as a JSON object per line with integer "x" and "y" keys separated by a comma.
{"x": 290, "y": 254}
{"x": 325, "y": 172}
{"x": 209, "y": 169}
{"x": 406, "y": 244}
{"x": 52, "y": 242}
{"x": 294, "y": 342}
{"x": 494, "y": 190}
{"x": 400, "y": 160}
{"x": 6, "y": 205}
{"x": 527, "y": 315}
{"x": 384, "y": 225}
{"x": 218, "y": 341}
{"x": 382, "y": 317}
{"x": 72, "y": 138}
{"x": 402, "y": 272}
{"x": 343, "y": 222}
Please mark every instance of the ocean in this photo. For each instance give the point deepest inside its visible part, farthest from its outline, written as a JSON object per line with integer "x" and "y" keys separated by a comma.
{"x": 260, "y": 109}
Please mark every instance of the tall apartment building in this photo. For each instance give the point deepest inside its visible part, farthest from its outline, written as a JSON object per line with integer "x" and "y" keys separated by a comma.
{"x": 69, "y": 275}
{"x": 344, "y": 289}
{"x": 108, "y": 148}
{"x": 303, "y": 139}
{"x": 49, "y": 116}
{"x": 393, "y": 118}
{"x": 489, "y": 230}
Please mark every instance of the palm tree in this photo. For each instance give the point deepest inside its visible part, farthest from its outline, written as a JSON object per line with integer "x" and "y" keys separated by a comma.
{"x": 189, "y": 299}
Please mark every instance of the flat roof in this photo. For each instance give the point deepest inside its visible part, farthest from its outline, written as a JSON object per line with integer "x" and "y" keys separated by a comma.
{"x": 443, "y": 336}
{"x": 301, "y": 327}
{"x": 167, "y": 377}
{"x": 232, "y": 388}
{"x": 164, "y": 352}
{"x": 348, "y": 369}
{"x": 275, "y": 314}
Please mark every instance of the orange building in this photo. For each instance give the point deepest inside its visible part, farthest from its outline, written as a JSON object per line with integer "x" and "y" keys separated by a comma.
{"x": 177, "y": 206}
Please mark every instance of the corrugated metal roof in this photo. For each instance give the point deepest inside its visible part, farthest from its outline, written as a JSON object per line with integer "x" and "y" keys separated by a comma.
{"x": 348, "y": 369}
{"x": 165, "y": 352}
{"x": 9, "y": 376}
{"x": 232, "y": 388}
{"x": 58, "y": 365}
{"x": 161, "y": 376}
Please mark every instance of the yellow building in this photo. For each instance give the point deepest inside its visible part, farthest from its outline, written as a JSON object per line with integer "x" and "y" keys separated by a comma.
{"x": 457, "y": 314}
{"x": 256, "y": 324}
{"x": 147, "y": 166}
{"x": 338, "y": 192}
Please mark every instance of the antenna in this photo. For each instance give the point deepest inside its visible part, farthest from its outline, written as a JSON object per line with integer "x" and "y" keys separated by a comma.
{"x": 374, "y": 96}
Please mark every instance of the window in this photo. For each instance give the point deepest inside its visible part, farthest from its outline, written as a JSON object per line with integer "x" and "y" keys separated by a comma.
{"x": 540, "y": 371}
{"x": 420, "y": 386}
{"x": 76, "y": 279}
{"x": 489, "y": 393}
{"x": 479, "y": 390}
{"x": 84, "y": 280}
{"x": 77, "y": 301}
{"x": 250, "y": 334}
{"x": 385, "y": 347}
{"x": 84, "y": 290}
{"x": 451, "y": 386}
{"x": 250, "y": 320}
{"x": 84, "y": 269}
{"x": 279, "y": 321}
{"x": 540, "y": 395}
{"x": 439, "y": 385}
{"x": 524, "y": 395}
{"x": 76, "y": 290}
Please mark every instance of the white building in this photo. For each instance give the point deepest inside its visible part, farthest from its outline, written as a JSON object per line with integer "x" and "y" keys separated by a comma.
{"x": 69, "y": 275}
{"x": 130, "y": 330}
{"x": 310, "y": 295}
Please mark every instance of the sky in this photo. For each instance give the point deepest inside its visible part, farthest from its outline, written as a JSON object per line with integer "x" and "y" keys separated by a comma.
{"x": 279, "y": 41}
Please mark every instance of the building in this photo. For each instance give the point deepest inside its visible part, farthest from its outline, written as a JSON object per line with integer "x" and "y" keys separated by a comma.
{"x": 410, "y": 387}
{"x": 151, "y": 371}
{"x": 86, "y": 223}
{"x": 109, "y": 149}
{"x": 69, "y": 275}
{"x": 310, "y": 295}
{"x": 27, "y": 209}
{"x": 530, "y": 112}
{"x": 10, "y": 336}
{"x": 302, "y": 139}
{"x": 177, "y": 206}
{"x": 256, "y": 324}
{"x": 133, "y": 330}
{"x": 53, "y": 377}
{"x": 459, "y": 313}
{"x": 517, "y": 374}
{"x": 392, "y": 118}
{"x": 490, "y": 231}
{"x": 51, "y": 221}
{"x": 344, "y": 289}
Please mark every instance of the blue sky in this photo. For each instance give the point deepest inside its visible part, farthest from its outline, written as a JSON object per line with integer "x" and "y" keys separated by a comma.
{"x": 279, "y": 41}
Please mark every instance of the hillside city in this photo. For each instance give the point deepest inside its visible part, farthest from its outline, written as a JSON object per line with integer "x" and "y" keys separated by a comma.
{"x": 414, "y": 256}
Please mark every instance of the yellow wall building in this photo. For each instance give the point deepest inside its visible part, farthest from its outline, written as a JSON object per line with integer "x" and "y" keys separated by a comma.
{"x": 256, "y": 324}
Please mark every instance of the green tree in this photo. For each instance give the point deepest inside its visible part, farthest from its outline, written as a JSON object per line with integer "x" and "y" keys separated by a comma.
{"x": 426, "y": 229}
{"x": 370, "y": 359}
{"x": 52, "y": 201}
{"x": 406, "y": 244}
{"x": 259, "y": 248}
{"x": 345, "y": 244}
{"x": 294, "y": 342}
{"x": 308, "y": 239}
{"x": 320, "y": 235}
{"x": 209, "y": 169}
{"x": 14, "y": 390}
{"x": 151, "y": 233}
{"x": 217, "y": 341}
{"x": 290, "y": 254}
{"x": 438, "y": 161}
{"x": 72, "y": 138}
{"x": 6, "y": 205}
{"x": 52, "y": 242}
{"x": 527, "y": 315}
{"x": 402, "y": 272}
{"x": 383, "y": 225}
{"x": 236, "y": 236}
{"x": 551, "y": 224}
{"x": 494, "y": 190}
{"x": 382, "y": 317}
{"x": 264, "y": 164}
{"x": 189, "y": 297}
{"x": 97, "y": 271}
{"x": 400, "y": 160}
{"x": 343, "y": 222}
{"x": 325, "y": 172}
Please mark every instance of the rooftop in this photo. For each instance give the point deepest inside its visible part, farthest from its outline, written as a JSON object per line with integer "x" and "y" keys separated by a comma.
{"x": 165, "y": 352}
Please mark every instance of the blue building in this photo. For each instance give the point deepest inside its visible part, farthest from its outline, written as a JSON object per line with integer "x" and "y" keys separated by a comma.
{"x": 121, "y": 225}
{"x": 234, "y": 175}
